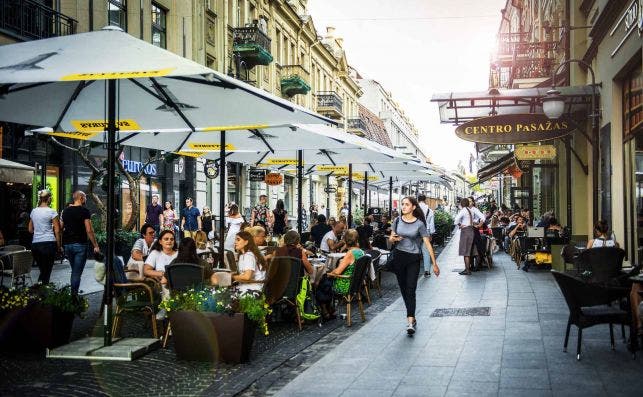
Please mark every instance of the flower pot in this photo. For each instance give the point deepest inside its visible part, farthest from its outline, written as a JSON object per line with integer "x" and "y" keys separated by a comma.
{"x": 47, "y": 326}
{"x": 213, "y": 337}
{"x": 34, "y": 328}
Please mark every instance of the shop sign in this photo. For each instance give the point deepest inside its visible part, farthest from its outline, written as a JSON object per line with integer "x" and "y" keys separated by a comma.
{"x": 535, "y": 152}
{"x": 282, "y": 161}
{"x": 330, "y": 189}
{"x": 513, "y": 128}
{"x": 132, "y": 166}
{"x": 274, "y": 179}
{"x": 627, "y": 24}
{"x": 211, "y": 169}
{"x": 332, "y": 168}
{"x": 257, "y": 175}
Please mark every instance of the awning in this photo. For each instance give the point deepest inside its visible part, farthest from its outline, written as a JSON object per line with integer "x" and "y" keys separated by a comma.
{"x": 460, "y": 107}
{"x": 15, "y": 172}
{"x": 490, "y": 170}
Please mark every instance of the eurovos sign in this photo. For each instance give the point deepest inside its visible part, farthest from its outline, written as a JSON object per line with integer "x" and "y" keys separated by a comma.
{"x": 513, "y": 128}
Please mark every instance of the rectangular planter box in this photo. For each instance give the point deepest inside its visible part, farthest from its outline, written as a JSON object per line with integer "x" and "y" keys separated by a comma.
{"x": 213, "y": 337}
{"x": 35, "y": 328}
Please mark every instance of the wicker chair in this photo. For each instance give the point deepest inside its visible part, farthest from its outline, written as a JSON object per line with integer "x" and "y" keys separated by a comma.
{"x": 589, "y": 305}
{"x": 282, "y": 283}
{"x": 603, "y": 263}
{"x": 134, "y": 297}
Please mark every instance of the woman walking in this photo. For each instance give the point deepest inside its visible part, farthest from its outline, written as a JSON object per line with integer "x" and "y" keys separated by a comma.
{"x": 44, "y": 225}
{"x": 168, "y": 218}
{"x": 280, "y": 217}
{"x": 233, "y": 221}
{"x": 408, "y": 232}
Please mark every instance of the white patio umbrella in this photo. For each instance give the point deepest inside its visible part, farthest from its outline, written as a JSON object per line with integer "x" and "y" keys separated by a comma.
{"x": 108, "y": 81}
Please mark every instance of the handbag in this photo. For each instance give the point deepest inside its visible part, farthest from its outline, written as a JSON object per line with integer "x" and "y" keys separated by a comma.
{"x": 390, "y": 259}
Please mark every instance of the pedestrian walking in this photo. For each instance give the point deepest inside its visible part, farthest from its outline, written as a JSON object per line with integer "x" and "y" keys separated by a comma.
{"x": 261, "y": 214}
{"x": 408, "y": 233}
{"x": 168, "y": 220}
{"x": 77, "y": 230}
{"x": 206, "y": 221}
{"x": 467, "y": 219}
{"x": 153, "y": 214}
{"x": 281, "y": 218}
{"x": 190, "y": 219}
{"x": 233, "y": 221}
{"x": 45, "y": 226}
{"x": 430, "y": 226}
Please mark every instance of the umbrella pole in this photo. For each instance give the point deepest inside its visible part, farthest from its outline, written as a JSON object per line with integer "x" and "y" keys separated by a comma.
{"x": 111, "y": 164}
{"x": 349, "y": 220}
{"x": 222, "y": 182}
{"x": 390, "y": 197}
{"x": 365, "y": 193}
{"x": 300, "y": 176}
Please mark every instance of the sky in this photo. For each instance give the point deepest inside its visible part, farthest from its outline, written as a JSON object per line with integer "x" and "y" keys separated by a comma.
{"x": 416, "y": 48}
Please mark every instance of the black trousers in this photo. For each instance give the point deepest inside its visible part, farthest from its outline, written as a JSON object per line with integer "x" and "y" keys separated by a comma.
{"x": 44, "y": 255}
{"x": 407, "y": 268}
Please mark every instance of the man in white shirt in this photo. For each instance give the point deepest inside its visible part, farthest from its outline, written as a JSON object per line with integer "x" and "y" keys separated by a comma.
{"x": 140, "y": 251}
{"x": 430, "y": 227}
{"x": 331, "y": 240}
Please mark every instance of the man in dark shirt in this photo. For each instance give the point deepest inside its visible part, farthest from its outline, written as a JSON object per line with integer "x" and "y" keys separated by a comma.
{"x": 77, "y": 229}
{"x": 153, "y": 214}
{"x": 318, "y": 231}
{"x": 190, "y": 219}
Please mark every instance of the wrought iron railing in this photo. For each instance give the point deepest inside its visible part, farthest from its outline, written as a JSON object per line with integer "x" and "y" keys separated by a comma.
{"x": 31, "y": 20}
{"x": 356, "y": 124}
{"x": 329, "y": 99}
{"x": 250, "y": 35}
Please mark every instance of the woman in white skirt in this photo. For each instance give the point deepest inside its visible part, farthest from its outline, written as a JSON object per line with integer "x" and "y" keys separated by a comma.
{"x": 467, "y": 219}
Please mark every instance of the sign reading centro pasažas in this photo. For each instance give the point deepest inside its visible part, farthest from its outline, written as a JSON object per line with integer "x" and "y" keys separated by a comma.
{"x": 513, "y": 128}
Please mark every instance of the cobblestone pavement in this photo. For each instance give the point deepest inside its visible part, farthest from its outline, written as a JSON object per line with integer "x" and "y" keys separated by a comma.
{"x": 514, "y": 351}
{"x": 275, "y": 361}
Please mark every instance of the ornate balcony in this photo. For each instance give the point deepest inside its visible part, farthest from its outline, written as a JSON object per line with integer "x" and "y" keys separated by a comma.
{"x": 528, "y": 61}
{"x": 294, "y": 80}
{"x": 357, "y": 126}
{"x": 330, "y": 104}
{"x": 252, "y": 46}
{"x": 30, "y": 20}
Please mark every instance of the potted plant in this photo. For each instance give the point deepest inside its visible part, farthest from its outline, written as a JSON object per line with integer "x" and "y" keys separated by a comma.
{"x": 443, "y": 226}
{"x": 215, "y": 325}
{"x": 40, "y": 317}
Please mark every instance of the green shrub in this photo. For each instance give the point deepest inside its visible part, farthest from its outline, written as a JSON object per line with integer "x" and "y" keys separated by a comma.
{"x": 443, "y": 226}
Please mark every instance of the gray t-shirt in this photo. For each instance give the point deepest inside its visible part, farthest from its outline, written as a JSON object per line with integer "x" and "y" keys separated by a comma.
{"x": 412, "y": 234}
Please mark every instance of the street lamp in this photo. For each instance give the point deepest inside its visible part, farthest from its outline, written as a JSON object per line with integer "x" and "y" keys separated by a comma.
{"x": 554, "y": 107}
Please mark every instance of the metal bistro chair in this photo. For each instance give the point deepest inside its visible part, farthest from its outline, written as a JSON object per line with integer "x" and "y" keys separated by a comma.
{"x": 355, "y": 289}
{"x": 18, "y": 266}
{"x": 589, "y": 305}
{"x": 180, "y": 277}
{"x": 604, "y": 264}
{"x": 283, "y": 282}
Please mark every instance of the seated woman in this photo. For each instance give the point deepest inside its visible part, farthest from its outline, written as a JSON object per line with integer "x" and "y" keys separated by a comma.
{"x": 188, "y": 254}
{"x": 293, "y": 248}
{"x": 347, "y": 264}
{"x": 203, "y": 249}
{"x": 163, "y": 252}
{"x": 601, "y": 237}
{"x": 252, "y": 265}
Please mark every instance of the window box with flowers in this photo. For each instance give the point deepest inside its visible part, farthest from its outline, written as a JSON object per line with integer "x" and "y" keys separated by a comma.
{"x": 215, "y": 325}
{"x": 39, "y": 317}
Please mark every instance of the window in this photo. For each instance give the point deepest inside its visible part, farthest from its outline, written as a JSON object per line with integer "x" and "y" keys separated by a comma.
{"x": 117, "y": 13}
{"x": 159, "y": 26}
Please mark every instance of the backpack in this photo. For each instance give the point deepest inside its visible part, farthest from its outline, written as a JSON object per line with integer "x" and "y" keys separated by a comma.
{"x": 305, "y": 302}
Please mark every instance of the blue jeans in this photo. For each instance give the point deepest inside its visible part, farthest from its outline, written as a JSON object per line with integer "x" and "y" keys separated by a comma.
{"x": 77, "y": 255}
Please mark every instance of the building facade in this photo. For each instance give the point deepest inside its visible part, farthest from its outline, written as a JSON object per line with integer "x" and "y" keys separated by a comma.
{"x": 273, "y": 45}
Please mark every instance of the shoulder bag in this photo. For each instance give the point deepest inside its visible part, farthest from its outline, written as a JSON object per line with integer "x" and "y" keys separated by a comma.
{"x": 390, "y": 259}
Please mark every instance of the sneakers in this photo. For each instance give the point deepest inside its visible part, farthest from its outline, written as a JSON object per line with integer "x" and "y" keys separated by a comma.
{"x": 465, "y": 273}
{"x": 410, "y": 328}
{"x": 427, "y": 274}
{"x": 161, "y": 315}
